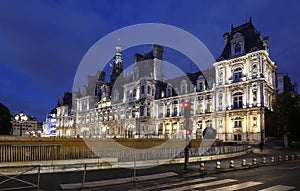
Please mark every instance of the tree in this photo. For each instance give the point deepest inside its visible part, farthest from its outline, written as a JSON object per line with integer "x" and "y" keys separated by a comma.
{"x": 284, "y": 117}
{"x": 5, "y": 120}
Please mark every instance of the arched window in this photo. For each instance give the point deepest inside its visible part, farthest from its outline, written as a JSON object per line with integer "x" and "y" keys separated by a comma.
{"x": 238, "y": 100}
{"x": 237, "y": 49}
{"x": 237, "y": 74}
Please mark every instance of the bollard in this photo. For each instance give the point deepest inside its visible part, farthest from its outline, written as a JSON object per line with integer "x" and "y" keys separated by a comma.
{"x": 286, "y": 157}
{"x": 244, "y": 162}
{"x": 272, "y": 159}
{"x": 280, "y": 158}
{"x": 231, "y": 164}
{"x": 202, "y": 168}
{"x": 254, "y": 161}
{"x": 264, "y": 160}
{"x": 218, "y": 165}
{"x": 293, "y": 157}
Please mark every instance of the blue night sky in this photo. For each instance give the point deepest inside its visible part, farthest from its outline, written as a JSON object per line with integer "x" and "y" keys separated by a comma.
{"x": 42, "y": 42}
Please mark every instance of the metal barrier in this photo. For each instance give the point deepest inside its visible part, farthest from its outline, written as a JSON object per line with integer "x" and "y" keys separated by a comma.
{"x": 19, "y": 153}
{"x": 26, "y": 184}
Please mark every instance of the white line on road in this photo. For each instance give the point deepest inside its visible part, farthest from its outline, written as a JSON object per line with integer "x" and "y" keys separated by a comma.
{"x": 180, "y": 183}
{"x": 201, "y": 185}
{"x": 278, "y": 188}
{"x": 237, "y": 186}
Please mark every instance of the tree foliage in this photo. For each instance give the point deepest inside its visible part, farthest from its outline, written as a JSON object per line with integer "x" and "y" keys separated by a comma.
{"x": 5, "y": 120}
{"x": 284, "y": 117}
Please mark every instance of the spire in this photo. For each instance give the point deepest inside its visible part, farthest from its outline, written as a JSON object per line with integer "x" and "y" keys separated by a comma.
{"x": 117, "y": 64}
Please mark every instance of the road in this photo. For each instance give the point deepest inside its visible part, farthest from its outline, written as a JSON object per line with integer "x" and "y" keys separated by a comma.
{"x": 270, "y": 178}
{"x": 284, "y": 174}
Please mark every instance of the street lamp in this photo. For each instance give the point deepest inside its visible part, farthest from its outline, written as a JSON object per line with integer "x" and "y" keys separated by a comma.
{"x": 21, "y": 118}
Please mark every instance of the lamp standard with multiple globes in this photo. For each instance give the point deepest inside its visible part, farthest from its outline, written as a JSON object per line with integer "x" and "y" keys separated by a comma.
{"x": 21, "y": 118}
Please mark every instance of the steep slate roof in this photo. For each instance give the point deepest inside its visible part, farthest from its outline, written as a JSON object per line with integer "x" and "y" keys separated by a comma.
{"x": 252, "y": 38}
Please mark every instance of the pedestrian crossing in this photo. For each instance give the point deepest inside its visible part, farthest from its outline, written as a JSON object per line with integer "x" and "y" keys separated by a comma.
{"x": 211, "y": 183}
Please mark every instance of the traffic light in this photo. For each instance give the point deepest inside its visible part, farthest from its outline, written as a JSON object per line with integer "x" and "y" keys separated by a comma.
{"x": 188, "y": 132}
{"x": 186, "y": 109}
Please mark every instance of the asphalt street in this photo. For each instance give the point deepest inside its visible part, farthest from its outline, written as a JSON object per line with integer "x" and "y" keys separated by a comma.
{"x": 283, "y": 173}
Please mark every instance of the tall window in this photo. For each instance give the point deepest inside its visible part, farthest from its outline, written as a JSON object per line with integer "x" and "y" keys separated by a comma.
{"x": 254, "y": 70}
{"x": 237, "y": 74}
{"x": 142, "y": 89}
{"x": 168, "y": 112}
{"x": 238, "y": 100}
{"x": 254, "y": 92}
{"x": 175, "y": 111}
{"x": 134, "y": 93}
{"x": 220, "y": 100}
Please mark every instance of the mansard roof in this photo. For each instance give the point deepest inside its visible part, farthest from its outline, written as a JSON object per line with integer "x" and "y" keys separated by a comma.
{"x": 252, "y": 38}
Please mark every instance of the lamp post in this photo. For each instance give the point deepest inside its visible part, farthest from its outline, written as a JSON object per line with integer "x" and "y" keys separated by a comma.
{"x": 186, "y": 114}
{"x": 21, "y": 118}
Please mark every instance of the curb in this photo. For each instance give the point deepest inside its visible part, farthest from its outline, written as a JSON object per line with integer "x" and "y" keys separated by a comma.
{"x": 222, "y": 170}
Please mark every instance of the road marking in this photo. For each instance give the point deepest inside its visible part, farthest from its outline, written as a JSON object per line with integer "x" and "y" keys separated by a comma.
{"x": 189, "y": 187}
{"x": 237, "y": 186}
{"x": 180, "y": 183}
{"x": 278, "y": 188}
{"x": 117, "y": 181}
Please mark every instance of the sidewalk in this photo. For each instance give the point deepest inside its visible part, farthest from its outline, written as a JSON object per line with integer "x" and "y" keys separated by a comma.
{"x": 293, "y": 154}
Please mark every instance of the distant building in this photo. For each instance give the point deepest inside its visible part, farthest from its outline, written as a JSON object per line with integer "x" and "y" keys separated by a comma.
{"x": 24, "y": 125}
{"x": 64, "y": 117}
{"x": 284, "y": 84}
{"x": 232, "y": 97}
{"x": 49, "y": 126}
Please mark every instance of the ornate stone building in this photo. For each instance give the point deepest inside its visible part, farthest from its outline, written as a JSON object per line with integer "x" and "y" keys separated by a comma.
{"x": 65, "y": 126}
{"x": 232, "y": 97}
{"x": 24, "y": 125}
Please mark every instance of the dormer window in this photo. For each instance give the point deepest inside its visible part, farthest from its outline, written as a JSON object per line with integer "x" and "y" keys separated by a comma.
{"x": 237, "y": 49}
{"x": 183, "y": 87}
{"x": 200, "y": 83}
